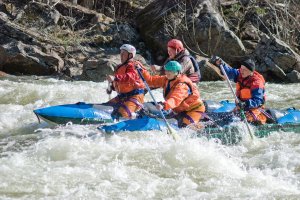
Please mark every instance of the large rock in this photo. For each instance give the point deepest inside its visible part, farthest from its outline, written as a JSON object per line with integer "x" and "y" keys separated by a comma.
{"x": 194, "y": 21}
{"x": 19, "y": 58}
{"x": 294, "y": 76}
{"x": 82, "y": 17}
{"x": 276, "y": 59}
{"x": 96, "y": 69}
{"x": 250, "y": 36}
{"x": 38, "y": 15}
{"x": 209, "y": 72}
{"x": 22, "y": 53}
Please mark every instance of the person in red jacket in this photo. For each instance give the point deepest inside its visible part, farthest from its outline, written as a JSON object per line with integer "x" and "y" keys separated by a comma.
{"x": 178, "y": 53}
{"x": 250, "y": 89}
{"x": 127, "y": 83}
{"x": 180, "y": 94}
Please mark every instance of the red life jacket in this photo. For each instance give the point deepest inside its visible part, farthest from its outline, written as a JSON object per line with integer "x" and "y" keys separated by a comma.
{"x": 244, "y": 86}
{"x": 131, "y": 83}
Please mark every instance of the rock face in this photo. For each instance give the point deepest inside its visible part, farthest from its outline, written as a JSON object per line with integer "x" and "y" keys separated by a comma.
{"x": 20, "y": 53}
{"x": 56, "y": 38}
{"x": 277, "y": 60}
{"x": 195, "y": 22}
{"x": 80, "y": 39}
{"x": 28, "y": 59}
{"x": 97, "y": 69}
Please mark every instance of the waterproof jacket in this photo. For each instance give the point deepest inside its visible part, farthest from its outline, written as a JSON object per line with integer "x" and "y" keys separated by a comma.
{"x": 250, "y": 90}
{"x": 127, "y": 78}
{"x": 180, "y": 94}
{"x": 188, "y": 69}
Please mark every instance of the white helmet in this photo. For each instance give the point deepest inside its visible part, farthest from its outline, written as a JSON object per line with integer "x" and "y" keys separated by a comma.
{"x": 129, "y": 48}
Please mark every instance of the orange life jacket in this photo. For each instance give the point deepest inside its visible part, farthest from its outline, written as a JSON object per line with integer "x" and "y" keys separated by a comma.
{"x": 191, "y": 101}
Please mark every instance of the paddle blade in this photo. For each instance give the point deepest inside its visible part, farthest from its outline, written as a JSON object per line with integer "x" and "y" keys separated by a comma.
{"x": 243, "y": 116}
{"x": 173, "y": 132}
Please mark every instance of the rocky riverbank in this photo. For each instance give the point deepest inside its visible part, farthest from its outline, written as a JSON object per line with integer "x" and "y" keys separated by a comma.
{"x": 79, "y": 40}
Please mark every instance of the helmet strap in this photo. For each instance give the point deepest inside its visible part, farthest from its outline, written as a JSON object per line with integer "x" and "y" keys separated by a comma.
{"x": 128, "y": 57}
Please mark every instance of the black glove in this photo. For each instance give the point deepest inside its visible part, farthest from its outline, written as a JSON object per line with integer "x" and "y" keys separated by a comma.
{"x": 242, "y": 105}
{"x": 216, "y": 60}
{"x": 110, "y": 88}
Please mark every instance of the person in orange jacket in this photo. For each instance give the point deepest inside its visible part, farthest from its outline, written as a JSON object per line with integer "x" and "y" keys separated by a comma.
{"x": 178, "y": 53}
{"x": 127, "y": 83}
{"x": 250, "y": 89}
{"x": 180, "y": 94}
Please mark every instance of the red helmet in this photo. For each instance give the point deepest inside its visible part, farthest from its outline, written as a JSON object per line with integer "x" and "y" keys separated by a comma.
{"x": 176, "y": 44}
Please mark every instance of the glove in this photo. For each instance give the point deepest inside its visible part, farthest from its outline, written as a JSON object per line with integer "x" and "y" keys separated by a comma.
{"x": 159, "y": 106}
{"x": 166, "y": 112}
{"x": 110, "y": 78}
{"x": 216, "y": 60}
{"x": 242, "y": 105}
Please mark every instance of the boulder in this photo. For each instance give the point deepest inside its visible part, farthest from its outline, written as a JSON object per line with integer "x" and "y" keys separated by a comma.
{"x": 21, "y": 52}
{"x": 276, "y": 59}
{"x": 37, "y": 14}
{"x": 82, "y": 17}
{"x": 209, "y": 72}
{"x": 19, "y": 58}
{"x": 294, "y": 76}
{"x": 96, "y": 69}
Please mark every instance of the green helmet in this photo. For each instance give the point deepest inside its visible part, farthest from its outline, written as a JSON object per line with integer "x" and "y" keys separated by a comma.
{"x": 173, "y": 66}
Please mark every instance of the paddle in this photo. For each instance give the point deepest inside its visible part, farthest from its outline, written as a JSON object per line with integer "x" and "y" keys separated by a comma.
{"x": 243, "y": 117}
{"x": 109, "y": 89}
{"x": 171, "y": 131}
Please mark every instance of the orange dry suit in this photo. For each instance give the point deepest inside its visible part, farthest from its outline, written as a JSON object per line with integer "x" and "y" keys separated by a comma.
{"x": 130, "y": 89}
{"x": 181, "y": 95}
{"x": 250, "y": 90}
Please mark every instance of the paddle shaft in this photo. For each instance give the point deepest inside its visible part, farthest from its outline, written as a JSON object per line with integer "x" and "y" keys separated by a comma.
{"x": 237, "y": 100}
{"x": 109, "y": 89}
{"x": 174, "y": 135}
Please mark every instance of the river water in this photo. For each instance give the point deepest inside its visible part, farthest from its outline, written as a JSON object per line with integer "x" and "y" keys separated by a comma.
{"x": 40, "y": 161}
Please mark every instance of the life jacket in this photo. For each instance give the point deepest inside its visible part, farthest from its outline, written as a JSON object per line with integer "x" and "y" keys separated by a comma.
{"x": 182, "y": 57}
{"x": 134, "y": 83}
{"x": 244, "y": 86}
{"x": 192, "y": 101}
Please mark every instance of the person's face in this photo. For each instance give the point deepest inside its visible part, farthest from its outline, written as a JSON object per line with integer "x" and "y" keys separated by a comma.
{"x": 170, "y": 75}
{"x": 124, "y": 55}
{"x": 172, "y": 52}
{"x": 245, "y": 72}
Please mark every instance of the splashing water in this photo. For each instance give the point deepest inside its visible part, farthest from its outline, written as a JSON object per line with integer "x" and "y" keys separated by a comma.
{"x": 39, "y": 161}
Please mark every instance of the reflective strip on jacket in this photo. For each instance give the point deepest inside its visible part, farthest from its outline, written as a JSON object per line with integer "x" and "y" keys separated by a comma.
{"x": 127, "y": 78}
{"x": 182, "y": 94}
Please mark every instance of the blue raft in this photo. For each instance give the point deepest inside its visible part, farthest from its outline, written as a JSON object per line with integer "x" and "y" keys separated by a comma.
{"x": 285, "y": 120}
{"x": 87, "y": 113}
{"x": 79, "y": 113}
{"x": 219, "y": 112}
